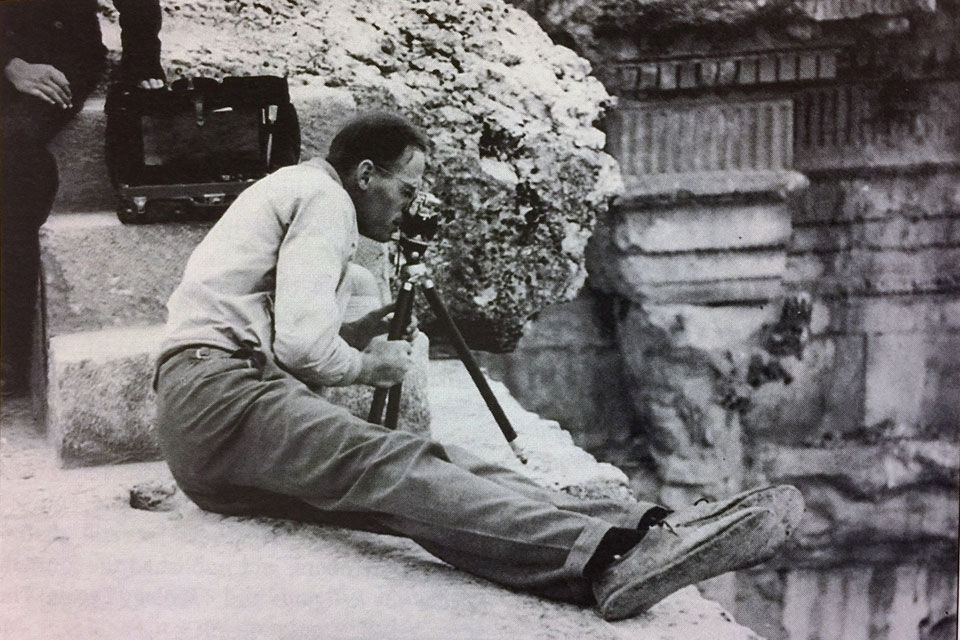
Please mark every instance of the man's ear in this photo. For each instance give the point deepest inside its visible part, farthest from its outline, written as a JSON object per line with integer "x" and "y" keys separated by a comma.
{"x": 363, "y": 173}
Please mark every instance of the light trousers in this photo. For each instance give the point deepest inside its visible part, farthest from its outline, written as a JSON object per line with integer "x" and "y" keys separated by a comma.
{"x": 243, "y": 438}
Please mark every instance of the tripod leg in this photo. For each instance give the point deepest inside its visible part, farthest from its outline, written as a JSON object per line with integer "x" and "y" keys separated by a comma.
{"x": 463, "y": 351}
{"x": 401, "y": 318}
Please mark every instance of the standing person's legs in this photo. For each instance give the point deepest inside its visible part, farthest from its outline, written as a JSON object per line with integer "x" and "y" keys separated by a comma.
{"x": 226, "y": 426}
{"x": 28, "y": 185}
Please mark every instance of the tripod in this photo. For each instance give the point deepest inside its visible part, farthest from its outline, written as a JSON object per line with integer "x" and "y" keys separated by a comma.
{"x": 402, "y": 314}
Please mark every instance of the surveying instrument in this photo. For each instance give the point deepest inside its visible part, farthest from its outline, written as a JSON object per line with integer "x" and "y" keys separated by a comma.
{"x": 417, "y": 228}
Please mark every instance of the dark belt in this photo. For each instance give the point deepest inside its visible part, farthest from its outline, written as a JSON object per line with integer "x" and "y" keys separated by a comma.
{"x": 257, "y": 358}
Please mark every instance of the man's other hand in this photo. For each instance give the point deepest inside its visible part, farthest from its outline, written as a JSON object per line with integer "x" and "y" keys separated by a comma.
{"x": 151, "y": 83}
{"x": 40, "y": 81}
{"x": 385, "y": 362}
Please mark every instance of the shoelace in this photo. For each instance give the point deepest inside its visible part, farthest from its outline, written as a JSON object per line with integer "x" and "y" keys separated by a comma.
{"x": 667, "y": 526}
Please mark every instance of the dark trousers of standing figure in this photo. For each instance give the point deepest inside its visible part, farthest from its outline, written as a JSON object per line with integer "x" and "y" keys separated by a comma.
{"x": 28, "y": 185}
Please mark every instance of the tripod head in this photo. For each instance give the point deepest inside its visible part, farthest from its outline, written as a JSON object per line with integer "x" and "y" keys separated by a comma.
{"x": 418, "y": 226}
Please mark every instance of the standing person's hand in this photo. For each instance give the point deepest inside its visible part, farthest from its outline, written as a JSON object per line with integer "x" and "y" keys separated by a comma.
{"x": 41, "y": 81}
{"x": 151, "y": 83}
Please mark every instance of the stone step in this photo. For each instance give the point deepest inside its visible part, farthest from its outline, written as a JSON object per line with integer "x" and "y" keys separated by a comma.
{"x": 99, "y": 404}
{"x": 100, "y": 273}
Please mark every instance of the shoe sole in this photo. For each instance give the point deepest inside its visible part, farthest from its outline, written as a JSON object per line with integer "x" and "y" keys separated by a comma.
{"x": 745, "y": 542}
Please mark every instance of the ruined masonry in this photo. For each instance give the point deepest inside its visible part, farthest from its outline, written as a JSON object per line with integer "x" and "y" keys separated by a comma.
{"x": 776, "y": 297}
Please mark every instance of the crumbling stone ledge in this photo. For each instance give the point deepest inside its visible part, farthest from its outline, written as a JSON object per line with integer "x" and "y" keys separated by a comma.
{"x": 169, "y": 573}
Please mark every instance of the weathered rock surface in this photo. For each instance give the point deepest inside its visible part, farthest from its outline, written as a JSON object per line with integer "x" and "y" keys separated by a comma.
{"x": 517, "y": 163}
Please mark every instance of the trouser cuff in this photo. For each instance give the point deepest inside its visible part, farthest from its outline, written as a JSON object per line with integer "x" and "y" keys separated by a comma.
{"x": 584, "y": 548}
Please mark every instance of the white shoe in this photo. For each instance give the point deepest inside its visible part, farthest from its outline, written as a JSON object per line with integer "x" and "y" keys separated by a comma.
{"x": 670, "y": 558}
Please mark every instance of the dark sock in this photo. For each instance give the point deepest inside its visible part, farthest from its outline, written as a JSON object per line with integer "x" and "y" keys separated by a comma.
{"x": 615, "y": 542}
{"x": 653, "y": 516}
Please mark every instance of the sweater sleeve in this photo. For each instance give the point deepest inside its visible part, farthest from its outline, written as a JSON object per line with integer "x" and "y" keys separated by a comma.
{"x": 307, "y": 308}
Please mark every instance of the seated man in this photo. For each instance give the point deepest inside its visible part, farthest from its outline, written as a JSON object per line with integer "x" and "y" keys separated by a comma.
{"x": 256, "y": 328}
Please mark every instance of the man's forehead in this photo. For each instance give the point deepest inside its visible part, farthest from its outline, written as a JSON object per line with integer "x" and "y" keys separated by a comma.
{"x": 411, "y": 164}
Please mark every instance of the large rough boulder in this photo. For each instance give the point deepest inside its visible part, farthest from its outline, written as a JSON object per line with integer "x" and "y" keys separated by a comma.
{"x": 518, "y": 163}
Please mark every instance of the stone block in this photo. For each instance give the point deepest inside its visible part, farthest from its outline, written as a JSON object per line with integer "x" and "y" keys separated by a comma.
{"x": 863, "y": 271}
{"x": 657, "y": 191}
{"x": 940, "y": 398}
{"x": 647, "y": 77}
{"x": 101, "y": 405}
{"x": 628, "y": 79}
{"x": 896, "y": 233}
{"x": 578, "y": 323}
{"x": 719, "y": 328}
{"x": 928, "y": 138}
{"x": 638, "y": 271}
{"x": 787, "y": 67}
{"x": 888, "y": 314}
{"x": 824, "y": 402}
{"x": 688, "y": 75}
{"x": 653, "y": 139}
{"x": 693, "y": 227}
{"x": 707, "y": 293}
{"x": 79, "y": 151}
{"x": 836, "y": 524}
{"x": 727, "y": 72}
{"x": 583, "y": 389}
{"x": 414, "y": 409}
{"x": 828, "y": 65}
{"x": 768, "y": 68}
{"x": 896, "y": 371}
{"x": 674, "y": 388}
{"x": 668, "y": 76}
{"x": 99, "y": 273}
{"x": 748, "y": 71}
{"x": 322, "y": 111}
{"x": 807, "y": 67}
{"x": 896, "y": 601}
{"x": 136, "y": 268}
{"x": 932, "y": 194}
{"x": 554, "y": 461}
{"x": 866, "y": 471}
{"x": 709, "y": 73}
{"x": 566, "y": 367}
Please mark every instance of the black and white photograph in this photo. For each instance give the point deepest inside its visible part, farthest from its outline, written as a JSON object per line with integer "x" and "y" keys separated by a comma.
{"x": 479, "y": 319}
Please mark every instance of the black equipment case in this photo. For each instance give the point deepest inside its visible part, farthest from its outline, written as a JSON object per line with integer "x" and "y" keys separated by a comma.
{"x": 185, "y": 153}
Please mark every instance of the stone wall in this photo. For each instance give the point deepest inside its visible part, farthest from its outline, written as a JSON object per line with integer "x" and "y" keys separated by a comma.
{"x": 802, "y": 333}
